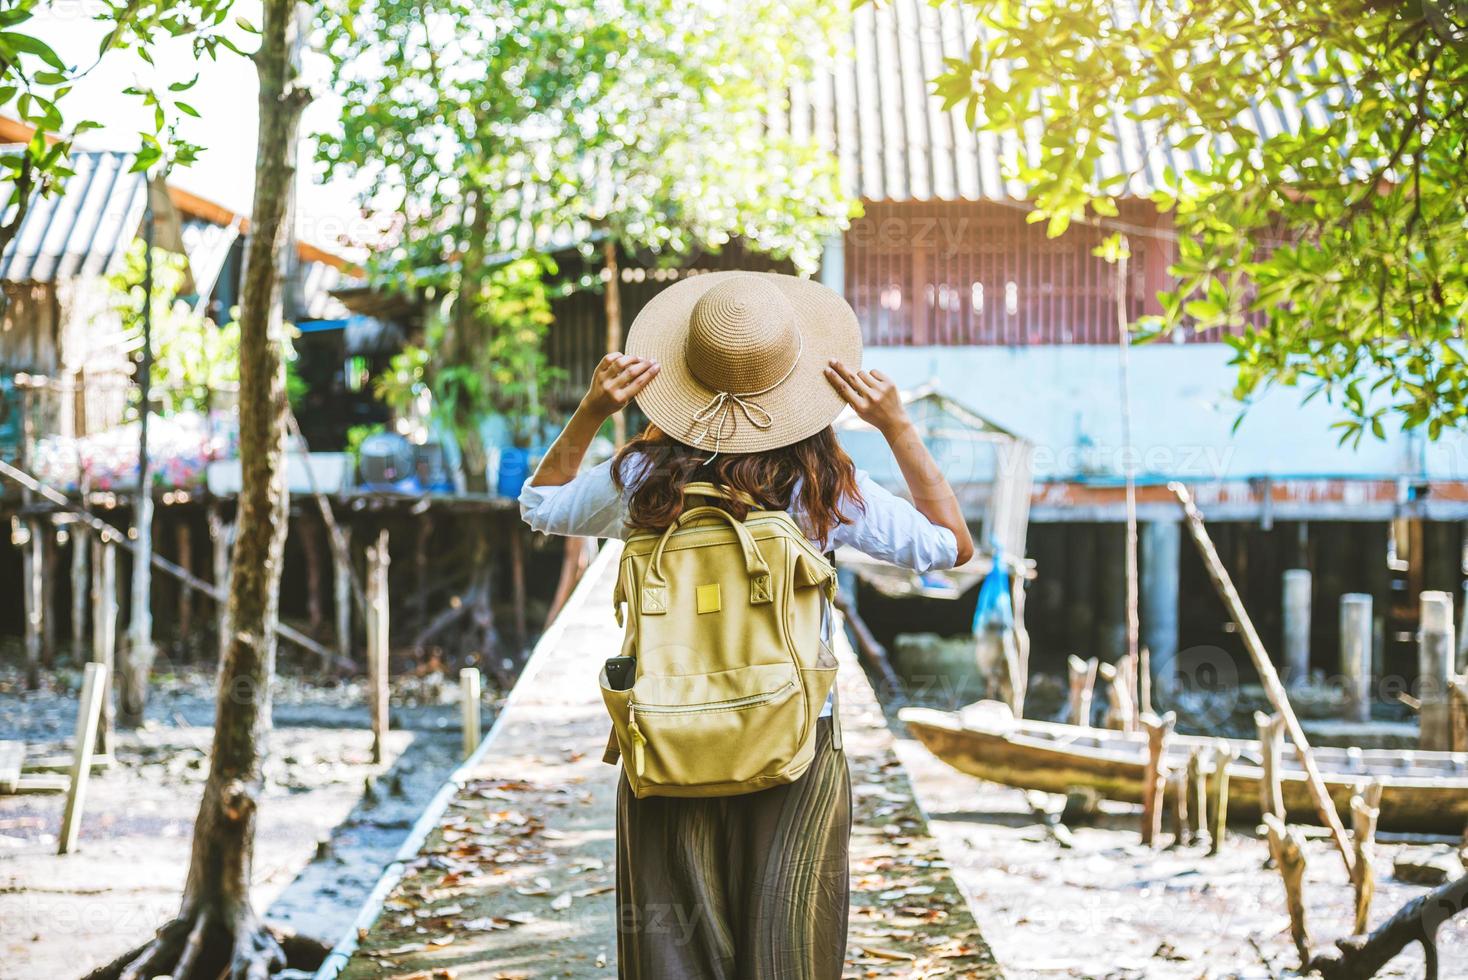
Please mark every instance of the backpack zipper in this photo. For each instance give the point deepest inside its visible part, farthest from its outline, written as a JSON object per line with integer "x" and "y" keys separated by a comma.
{"x": 731, "y": 704}
{"x": 639, "y": 740}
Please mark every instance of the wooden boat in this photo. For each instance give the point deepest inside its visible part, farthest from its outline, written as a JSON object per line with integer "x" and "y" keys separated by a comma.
{"x": 1422, "y": 792}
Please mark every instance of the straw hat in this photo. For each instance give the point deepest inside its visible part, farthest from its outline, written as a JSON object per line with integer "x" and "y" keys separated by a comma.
{"x": 743, "y": 356}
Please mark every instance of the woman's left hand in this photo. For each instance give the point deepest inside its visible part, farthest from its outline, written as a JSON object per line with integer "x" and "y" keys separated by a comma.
{"x": 873, "y": 396}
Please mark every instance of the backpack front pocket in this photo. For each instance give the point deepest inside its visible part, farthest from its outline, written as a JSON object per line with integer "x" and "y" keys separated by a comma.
{"x": 715, "y": 729}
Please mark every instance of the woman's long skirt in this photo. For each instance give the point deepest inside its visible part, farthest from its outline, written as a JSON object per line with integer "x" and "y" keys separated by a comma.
{"x": 750, "y": 887}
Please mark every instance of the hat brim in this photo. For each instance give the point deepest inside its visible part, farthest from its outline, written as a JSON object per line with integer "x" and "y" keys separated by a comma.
{"x": 800, "y": 406}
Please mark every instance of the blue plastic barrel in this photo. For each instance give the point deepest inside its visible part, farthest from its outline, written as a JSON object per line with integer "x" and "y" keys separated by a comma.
{"x": 514, "y": 471}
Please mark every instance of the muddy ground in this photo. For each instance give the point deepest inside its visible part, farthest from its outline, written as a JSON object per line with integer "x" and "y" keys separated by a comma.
{"x": 1110, "y": 908}
{"x": 329, "y": 820}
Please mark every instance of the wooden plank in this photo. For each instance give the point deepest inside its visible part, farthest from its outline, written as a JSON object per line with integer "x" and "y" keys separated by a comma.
{"x": 81, "y": 770}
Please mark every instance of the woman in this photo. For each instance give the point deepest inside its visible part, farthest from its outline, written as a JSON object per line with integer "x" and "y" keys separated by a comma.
{"x": 741, "y": 375}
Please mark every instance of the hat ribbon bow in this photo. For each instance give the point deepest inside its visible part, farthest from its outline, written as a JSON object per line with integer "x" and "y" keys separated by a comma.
{"x": 724, "y": 408}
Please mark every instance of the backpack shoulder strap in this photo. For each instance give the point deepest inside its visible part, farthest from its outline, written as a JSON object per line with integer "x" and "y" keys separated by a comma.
{"x": 704, "y": 489}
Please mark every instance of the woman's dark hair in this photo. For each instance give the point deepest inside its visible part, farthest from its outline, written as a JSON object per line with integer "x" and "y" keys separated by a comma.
{"x": 816, "y": 466}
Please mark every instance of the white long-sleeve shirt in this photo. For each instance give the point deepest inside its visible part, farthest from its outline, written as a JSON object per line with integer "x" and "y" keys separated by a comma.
{"x": 885, "y": 526}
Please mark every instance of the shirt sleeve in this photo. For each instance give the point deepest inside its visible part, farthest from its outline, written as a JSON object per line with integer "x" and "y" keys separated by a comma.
{"x": 892, "y": 530}
{"x": 589, "y": 506}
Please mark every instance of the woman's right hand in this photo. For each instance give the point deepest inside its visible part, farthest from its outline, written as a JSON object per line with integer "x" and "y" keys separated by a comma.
{"x": 617, "y": 380}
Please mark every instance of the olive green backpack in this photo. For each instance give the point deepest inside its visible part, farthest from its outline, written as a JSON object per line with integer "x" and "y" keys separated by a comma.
{"x": 724, "y": 618}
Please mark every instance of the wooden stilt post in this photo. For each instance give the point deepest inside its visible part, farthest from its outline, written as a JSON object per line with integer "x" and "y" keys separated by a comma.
{"x": 341, "y": 569}
{"x": 221, "y": 536}
{"x": 81, "y": 640}
{"x": 377, "y": 642}
{"x": 183, "y": 542}
{"x": 81, "y": 761}
{"x": 315, "y": 604}
{"x": 1458, "y": 712}
{"x": 1356, "y": 629}
{"x": 517, "y": 582}
{"x": 1197, "y": 788}
{"x": 1287, "y": 848}
{"x": 1154, "y": 782}
{"x": 104, "y": 630}
{"x": 1178, "y": 786}
{"x": 1267, "y": 674}
{"x": 1297, "y": 587}
{"x": 469, "y": 696}
{"x": 1365, "y": 809}
{"x": 1082, "y": 686}
{"x": 1436, "y": 657}
{"x": 1223, "y": 757}
{"x": 1271, "y": 746}
{"x": 50, "y": 561}
{"x": 32, "y": 566}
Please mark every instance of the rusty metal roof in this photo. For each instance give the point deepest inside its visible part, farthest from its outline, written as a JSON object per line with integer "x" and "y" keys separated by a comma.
{"x": 83, "y": 230}
{"x": 873, "y": 108}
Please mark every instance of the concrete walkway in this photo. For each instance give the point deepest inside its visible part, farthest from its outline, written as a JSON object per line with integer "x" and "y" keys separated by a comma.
{"x": 516, "y": 877}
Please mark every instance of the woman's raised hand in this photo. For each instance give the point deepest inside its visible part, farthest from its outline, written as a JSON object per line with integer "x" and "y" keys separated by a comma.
{"x": 617, "y": 380}
{"x": 873, "y": 396}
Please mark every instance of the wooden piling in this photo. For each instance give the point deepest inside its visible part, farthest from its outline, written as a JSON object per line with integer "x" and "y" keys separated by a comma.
{"x": 104, "y": 630}
{"x": 517, "y": 582}
{"x": 1436, "y": 658}
{"x": 1223, "y": 757}
{"x": 1154, "y": 784}
{"x": 1178, "y": 786}
{"x": 315, "y": 604}
{"x": 1297, "y": 588}
{"x": 1082, "y": 686}
{"x": 377, "y": 642}
{"x": 1197, "y": 788}
{"x": 81, "y": 763}
{"x": 1365, "y": 809}
{"x": 183, "y": 543}
{"x": 1286, "y": 846}
{"x": 341, "y": 570}
{"x": 50, "y": 562}
{"x": 32, "y": 569}
{"x": 221, "y": 536}
{"x": 469, "y": 685}
{"x": 81, "y": 641}
{"x": 1271, "y": 746}
{"x": 1355, "y": 664}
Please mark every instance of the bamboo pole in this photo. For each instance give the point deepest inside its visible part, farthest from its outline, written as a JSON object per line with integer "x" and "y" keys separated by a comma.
{"x": 1267, "y": 674}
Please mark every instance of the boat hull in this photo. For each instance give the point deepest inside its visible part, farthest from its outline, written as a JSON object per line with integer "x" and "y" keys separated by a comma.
{"x": 1422, "y": 792}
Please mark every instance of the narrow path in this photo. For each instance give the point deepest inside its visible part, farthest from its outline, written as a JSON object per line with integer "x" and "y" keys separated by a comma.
{"x": 516, "y": 878}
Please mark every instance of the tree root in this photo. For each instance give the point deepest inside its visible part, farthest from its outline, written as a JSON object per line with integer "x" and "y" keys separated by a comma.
{"x": 199, "y": 946}
{"x": 1359, "y": 957}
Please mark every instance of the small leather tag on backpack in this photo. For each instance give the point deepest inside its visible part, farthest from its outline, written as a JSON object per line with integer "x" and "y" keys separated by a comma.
{"x": 708, "y": 598}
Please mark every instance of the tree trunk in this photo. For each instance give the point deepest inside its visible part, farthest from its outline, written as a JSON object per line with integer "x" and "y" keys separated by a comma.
{"x": 612, "y": 299}
{"x": 217, "y": 929}
{"x": 461, "y": 345}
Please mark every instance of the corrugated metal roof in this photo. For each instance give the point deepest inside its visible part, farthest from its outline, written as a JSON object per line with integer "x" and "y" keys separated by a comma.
{"x": 873, "y": 108}
{"x": 82, "y": 231}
